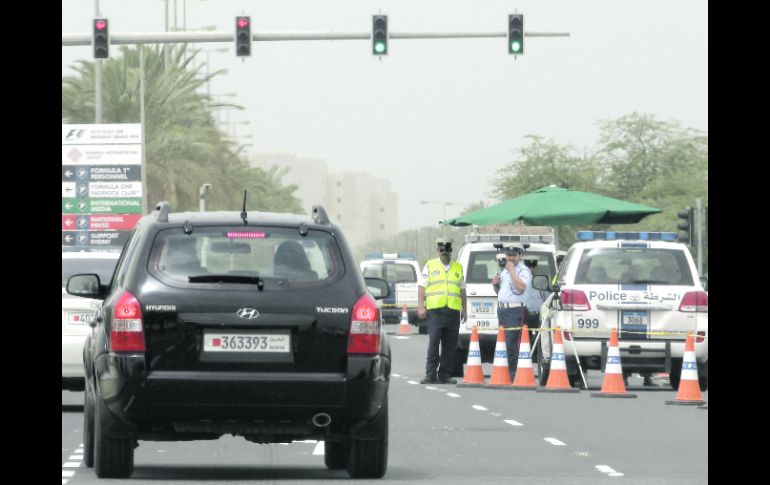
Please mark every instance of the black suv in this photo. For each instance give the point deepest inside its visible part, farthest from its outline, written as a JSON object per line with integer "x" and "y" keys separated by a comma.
{"x": 258, "y": 325}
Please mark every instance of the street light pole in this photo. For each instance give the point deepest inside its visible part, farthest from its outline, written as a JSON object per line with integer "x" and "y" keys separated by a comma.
{"x": 444, "y": 204}
{"x": 202, "y": 191}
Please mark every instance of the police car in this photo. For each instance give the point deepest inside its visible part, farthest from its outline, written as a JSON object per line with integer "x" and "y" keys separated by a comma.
{"x": 400, "y": 270}
{"x": 478, "y": 257}
{"x": 642, "y": 283}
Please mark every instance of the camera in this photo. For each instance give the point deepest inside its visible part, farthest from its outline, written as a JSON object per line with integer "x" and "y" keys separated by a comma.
{"x": 502, "y": 259}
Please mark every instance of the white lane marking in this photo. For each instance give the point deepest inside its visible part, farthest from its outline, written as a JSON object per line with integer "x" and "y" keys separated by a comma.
{"x": 615, "y": 474}
{"x": 67, "y": 473}
{"x": 555, "y": 442}
{"x": 452, "y": 394}
{"x": 413, "y": 382}
{"x": 71, "y": 464}
{"x": 432, "y": 388}
{"x": 161, "y": 451}
{"x": 75, "y": 457}
{"x": 319, "y": 448}
{"x": 604, "y": 468}
{"x": 479, "y": 408}
{"x": 512, "y": 422}
{"x": 396, "y": 375}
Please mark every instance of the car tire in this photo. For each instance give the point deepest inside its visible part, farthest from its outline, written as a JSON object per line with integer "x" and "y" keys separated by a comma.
{"x": 703, "y": 376}
{"x": 88, "y": 429}
{"x": 676, "y": 373}
{"x": 542, "y": 369}
{"x": 461, "y": 357}
{"x": 113, "y": 457}
{"x": 369, "y": 457}
{"x": 336, "y": 454}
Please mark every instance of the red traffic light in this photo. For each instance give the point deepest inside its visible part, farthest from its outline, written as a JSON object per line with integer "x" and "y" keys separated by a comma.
{"x": 243, "y": 22}
{"x": 101, "y": 24}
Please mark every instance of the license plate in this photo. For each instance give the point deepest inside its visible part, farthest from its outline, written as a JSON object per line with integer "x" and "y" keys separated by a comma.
{"x": 483, "y": 308}
{"x": 246, "y": 343}
{"x": 634, "y": 324}
{"x": 79, "y": 318}
{"x": 635, "y": 318}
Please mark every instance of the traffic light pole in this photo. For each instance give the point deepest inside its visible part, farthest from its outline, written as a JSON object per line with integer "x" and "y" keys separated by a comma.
{"x": 698, "y": 202}
{"x": 204, "y": 37}
{"x": 97, "y": 76}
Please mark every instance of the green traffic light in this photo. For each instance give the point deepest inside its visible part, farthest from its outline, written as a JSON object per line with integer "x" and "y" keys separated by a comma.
{"x": 515, "y": 46}
{"x": 379, "y": 47}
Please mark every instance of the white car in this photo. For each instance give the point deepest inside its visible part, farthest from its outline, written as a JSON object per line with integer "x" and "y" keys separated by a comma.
{"x": 478, "y": 257}
{"x": 401, "y": 271}
{"x": 76, "y": 312}
{"x": 644, "y": 285}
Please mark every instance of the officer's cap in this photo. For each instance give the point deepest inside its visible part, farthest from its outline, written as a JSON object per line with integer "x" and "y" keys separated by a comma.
{"x": 513, "y": 248}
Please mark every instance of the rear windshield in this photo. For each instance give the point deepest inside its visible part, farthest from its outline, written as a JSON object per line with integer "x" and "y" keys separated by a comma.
{"x": 484, "y": 266}
{"x": 103, "y": 267}
{"x": 613, "y": 266}
{"x": 277, "y": 258}
{"x": 391, "y": 272}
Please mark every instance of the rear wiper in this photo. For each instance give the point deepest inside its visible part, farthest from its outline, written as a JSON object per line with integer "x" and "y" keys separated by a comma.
{"x": 228, "y": 278}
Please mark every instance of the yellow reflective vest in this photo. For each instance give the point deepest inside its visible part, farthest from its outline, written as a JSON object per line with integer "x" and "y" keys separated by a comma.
{"x": 443, "y": 287}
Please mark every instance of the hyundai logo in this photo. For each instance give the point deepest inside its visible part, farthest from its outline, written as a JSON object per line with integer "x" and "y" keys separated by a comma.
{"x": 248, "y": 313}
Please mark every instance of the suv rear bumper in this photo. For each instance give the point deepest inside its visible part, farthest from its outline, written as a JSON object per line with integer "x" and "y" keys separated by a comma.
{"x": 267, "y": 404}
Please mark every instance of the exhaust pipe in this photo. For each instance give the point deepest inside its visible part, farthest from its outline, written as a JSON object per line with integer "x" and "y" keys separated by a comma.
{"x": 322, "y": 420}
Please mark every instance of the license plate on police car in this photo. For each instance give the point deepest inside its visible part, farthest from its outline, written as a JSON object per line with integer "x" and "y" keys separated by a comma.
{"x": 249, "y": 343}
{"x": 635, "y": 318}
{"x": 483, "y": 308}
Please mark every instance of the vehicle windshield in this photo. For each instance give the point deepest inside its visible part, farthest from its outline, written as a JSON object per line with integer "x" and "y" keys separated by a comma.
{"x": 391, "y": 272}
{"x": 103, "y": 267}
{"x": 613, "y": 266}
{"x": 273, "y": 257}
{"x": 483, "y": 265}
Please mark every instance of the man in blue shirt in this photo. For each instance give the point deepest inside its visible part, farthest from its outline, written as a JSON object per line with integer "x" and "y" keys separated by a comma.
{"x": 511, "y": 286}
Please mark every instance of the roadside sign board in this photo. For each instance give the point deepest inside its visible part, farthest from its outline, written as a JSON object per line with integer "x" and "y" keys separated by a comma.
{"x": 101, "y": 184}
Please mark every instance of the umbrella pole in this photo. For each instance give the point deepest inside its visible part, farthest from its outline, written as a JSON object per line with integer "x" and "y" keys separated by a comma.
{"x": 556, "y": 237}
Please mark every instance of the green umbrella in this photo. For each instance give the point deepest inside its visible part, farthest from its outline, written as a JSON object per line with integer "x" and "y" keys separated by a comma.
{"x": 554, "y": 206}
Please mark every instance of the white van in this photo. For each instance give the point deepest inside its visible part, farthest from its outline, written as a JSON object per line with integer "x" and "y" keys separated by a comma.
{"x": 478, "y": 257}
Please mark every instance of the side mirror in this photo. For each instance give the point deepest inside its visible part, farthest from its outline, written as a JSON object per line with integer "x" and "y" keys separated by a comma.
{"x": 378, "y": 288}
{"x": 704, "y": 283}
{"x": 84, "y": 285}
{"x": 540, "y": 282}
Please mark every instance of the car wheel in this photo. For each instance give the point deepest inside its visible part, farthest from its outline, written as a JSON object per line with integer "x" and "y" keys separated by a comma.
{"x": 113, "y": 457}
{"x": 88, "y": 429}
{"x": 703, "y": 376}
{"x": 676, "y": 373}
{"x": 369, "y": 458}
{"x": 542, "y": 369}
{"x": 461, "y": 357}
{"x": 336, "y": 454}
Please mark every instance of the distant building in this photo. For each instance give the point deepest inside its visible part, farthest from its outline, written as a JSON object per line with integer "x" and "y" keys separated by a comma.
{"x": 364, "y": 205}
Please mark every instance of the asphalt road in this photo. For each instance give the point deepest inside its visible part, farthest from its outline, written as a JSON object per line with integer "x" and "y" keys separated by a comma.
{"x": 445, "y": 434}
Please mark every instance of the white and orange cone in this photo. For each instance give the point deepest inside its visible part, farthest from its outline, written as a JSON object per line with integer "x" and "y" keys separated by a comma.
{"x": 613, "y": 385}
{"x": 689, "y": 391}
{"x": 474, "y": 375}
{"x": 524, "y": 378}
{"x": 557, "y": 376}
{"x": 404, "y": 328}
{"x": 501, "y": 377}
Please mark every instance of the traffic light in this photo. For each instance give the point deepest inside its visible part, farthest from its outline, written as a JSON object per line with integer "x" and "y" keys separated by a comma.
{"x": 516, "y": 33}
{"x": 686, "y": 226}
{"x": 101, "y": 39}
{"x": 243, "y": 36}
{"x": 380, "y": 35}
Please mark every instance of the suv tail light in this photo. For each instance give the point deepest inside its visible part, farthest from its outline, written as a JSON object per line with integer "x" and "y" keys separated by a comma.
{"x": 364, "y": 335}
{"x": 574, "y": 300}
{"x": 126, "y": 328}
{"x": 695, "y": 301}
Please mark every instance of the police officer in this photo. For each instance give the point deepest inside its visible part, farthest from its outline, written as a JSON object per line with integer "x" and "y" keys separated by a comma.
{"x": 441, "y": 298}
{"x": 511, "y": 286}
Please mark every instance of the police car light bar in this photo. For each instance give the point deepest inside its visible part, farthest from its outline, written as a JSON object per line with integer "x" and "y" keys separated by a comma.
{"x": 494, "y": 238}
{"x": 626, "y": 236}
{"x": 390, "y": 256}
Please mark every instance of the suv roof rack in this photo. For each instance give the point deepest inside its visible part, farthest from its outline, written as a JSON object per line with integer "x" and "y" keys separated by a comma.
{"x": 626, "y": 235}
{"x": 494, "y": 238}
{"x": 319, "y": 215}
{"x": 161, "y": 211}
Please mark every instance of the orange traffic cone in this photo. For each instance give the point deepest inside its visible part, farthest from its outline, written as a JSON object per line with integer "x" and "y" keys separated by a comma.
{"x": 557, "y": 377}
{"x": 404, "y": 328}
{"x": 689, "y": 391}
{"x": 501, "y": 377}
{"x": 474, "y": 375}
{"x": 613, "y": 373}
{"x": 524, "y": 378}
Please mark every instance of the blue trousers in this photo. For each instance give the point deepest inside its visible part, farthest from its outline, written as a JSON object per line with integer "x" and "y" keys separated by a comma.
{"x": 443, "y": 328}
{"x": 506, "y": 318}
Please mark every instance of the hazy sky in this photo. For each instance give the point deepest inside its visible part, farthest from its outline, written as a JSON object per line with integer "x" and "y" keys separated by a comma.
{"x": 438, "y": 117}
